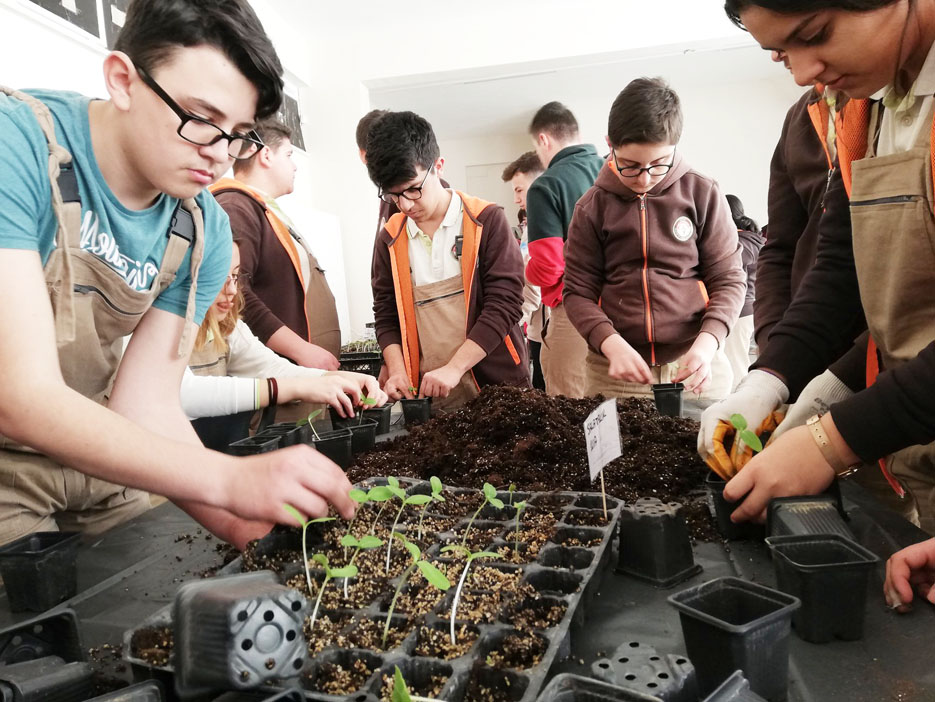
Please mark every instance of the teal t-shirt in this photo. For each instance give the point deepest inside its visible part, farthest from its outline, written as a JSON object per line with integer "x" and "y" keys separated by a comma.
{"x": 132, "y": 242}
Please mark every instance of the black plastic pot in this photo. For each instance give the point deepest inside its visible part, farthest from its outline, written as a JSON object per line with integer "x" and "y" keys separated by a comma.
{"x": 148, "y": 691}
{"x": 336, "y": 445}
{"x": 288, "y": 432}
{"x": 830, "y": 575}
{"x": 723, "y": 509}
{"x": 53, "y": 634}
{"x": 668, "y": 398}
{"x": 654, "y": 543}
{"x": 253, "y": 445}
{"x": 382, "y": 415}
{"x": 730, "y": 624}
{"x": 418, "y": 410}
{"x": 566, "y": 687}
{"x": 237, "y": 632}
{"x": 734, "y": 689}
{"x": 815, "y": 514}
{"x": 39, "y": 570}
{"x": 638, "y": 666}
{"x": 44, "y": 680}
{"x": 363, "y": 430}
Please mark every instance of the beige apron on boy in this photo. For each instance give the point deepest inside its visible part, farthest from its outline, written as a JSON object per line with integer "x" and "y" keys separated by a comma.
{"x": 563, "y": 355}
{"x": 894, "y": 251}
{"x": 93, "y": 309}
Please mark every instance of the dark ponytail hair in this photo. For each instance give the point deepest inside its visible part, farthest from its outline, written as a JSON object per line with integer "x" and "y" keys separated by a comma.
{"x": 733, "y": 8}
{"x": 743, "y": 223}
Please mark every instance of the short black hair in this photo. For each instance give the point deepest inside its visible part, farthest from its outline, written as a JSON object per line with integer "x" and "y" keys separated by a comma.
{"x": 733, "y": 8}
{"x": 155, "y": 28}
{"x": 741, "y": 220}
{"x": 364, "y": 126}
{"x": 398, "y": 143}
{"x": 527, "y": 163}
{"x": 647, "y": 111}
{"x": 272, "y": 133}
{"x": 556, "y": 120}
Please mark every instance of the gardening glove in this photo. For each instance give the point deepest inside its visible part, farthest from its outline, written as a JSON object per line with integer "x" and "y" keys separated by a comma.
{"x": 719, "y": 459}
{"x": 758, "y": 395}
{"x": 816, "y": 398}
{"x": 741, "y": 454}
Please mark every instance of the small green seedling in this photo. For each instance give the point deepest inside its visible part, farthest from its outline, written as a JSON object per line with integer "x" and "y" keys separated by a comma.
{"x": 364, "y": 401}
{"x": 746, "y": 435}
{"x": 361, "y": 498}
{"x": 414, "y": 391}
{"x": 520, "y": 506}
{"x": 380, "y": 493}
{"x": 411, "y": 500}
{"x": 305, "y": 524}
{"x": 457, "y": 598}
{"x": 400, "y": 692}
{"x": 308, "y": 420}
{"x": 510, "y": 490}
{"x": 490, "y": 498}
{"x": 436, "y": 496}
{"x": 348, "y": 571}
{"x": 365, "y": 542}
{"x": 432, "y": 574}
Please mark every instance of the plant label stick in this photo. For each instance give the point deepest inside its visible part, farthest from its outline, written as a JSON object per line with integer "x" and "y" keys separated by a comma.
{"x": 602, "y": 436}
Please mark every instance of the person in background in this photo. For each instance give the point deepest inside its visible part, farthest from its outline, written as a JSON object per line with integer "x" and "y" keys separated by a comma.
{"x": 737, "y": 343}
{"x": 447, "y": 275}
{"x": 289, "y": 304}
{"x": 520, "y": 174}
{"x": 570, "y": 169}
{"x": 653, "y": 277}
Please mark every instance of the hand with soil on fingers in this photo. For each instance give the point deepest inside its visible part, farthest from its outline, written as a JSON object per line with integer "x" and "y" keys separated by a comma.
{"x": 625, "y": 363}
{"x": 908, "y": 572}
{"x": 439, "y": 382}
{"x": 695, "y": 365}
{"x": 791, "y": 465}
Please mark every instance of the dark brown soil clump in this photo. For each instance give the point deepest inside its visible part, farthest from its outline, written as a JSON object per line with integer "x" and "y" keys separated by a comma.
{"x": 153, "y": 644}
{"x": 521, "y": 651}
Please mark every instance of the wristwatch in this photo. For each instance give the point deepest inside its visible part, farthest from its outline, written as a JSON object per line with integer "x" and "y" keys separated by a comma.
{"x": 827, "y": 450}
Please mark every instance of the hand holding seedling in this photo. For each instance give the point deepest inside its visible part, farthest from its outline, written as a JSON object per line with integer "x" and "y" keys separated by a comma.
{"x": 625, "y": 363}
{"x": 695, "y": 365}
{"x": 439, "y": 382}
{"x": 398, "y": 387}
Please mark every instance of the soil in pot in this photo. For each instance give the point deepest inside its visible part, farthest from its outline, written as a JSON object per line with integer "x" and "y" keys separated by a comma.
{"x": 360, "y": 591}
{"x": 478, "y": 538}
{"x": 535, "y": 613}
{"x": 585, "y": 517}
{"x": 457, "y": 504}
{"x": 435, "y": 642}
{"x": 336, "y": 679}
{"x": 367, "y": 632}
{"x": 509, "y": 554}
{"x": 428, "y": 688}
{"x": 153, "y": 644}
{"x": 416, "y": 598}
{"x": 518, "y": 650}
{"x": 328, "y": 626}
{"x": 492, "y": 685}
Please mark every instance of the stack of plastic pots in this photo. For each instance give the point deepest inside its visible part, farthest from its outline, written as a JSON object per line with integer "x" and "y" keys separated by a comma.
{"x": 39, "y": 570}
{"x": 253, "y": 445}
{"x": 812, "y": 514}
{"x": 730, "y": 624}
{"x": 363, "y": 430}
{"x": 289, "y": 433}
{"x": 654, "y": 543}
{"x": 830, "y": 574}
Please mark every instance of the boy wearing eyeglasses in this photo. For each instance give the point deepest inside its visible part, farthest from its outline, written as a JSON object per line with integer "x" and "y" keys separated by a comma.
{"x": 106, "y": 229}
{"x": 653, "y": 275}
{"x": 447, "y": 275}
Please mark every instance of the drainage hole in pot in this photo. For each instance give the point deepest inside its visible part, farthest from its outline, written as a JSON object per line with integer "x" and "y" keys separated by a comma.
{"x": 242, "y": 615}
{"x": 360, "y": 698}
{"x": 604, "y": 666}
{"x": 663, "y": 676}
{"x": 629, "y": 676}
{"x": 623, "y": 660}
{"x": 651, "y": 685}
{"x": 17, "y": 640}
{"x": 37, "y": 629}
{"x": 290, "y": 636}
{"x": 268, "y": 615}
{"x": 296, "y": 606}
{"x": 654, "y": 658}
{"x": 634, "y": 644}
{"x": 680, "y": 661}
{"x": 297, "y": 663}
{"x": 246, "y": 645}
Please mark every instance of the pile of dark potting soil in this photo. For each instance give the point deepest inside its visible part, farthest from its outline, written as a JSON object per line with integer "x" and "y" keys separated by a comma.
{"x": 508, "y": 435}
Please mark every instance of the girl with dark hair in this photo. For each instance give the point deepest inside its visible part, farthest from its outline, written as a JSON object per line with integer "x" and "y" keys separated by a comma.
{"x": 876, "y": 257}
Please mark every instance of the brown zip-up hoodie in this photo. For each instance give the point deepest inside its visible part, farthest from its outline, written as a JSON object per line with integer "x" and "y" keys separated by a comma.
{"x": 658, "y": 268}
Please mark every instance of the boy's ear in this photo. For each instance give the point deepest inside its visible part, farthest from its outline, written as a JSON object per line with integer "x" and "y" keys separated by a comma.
{"x": 607, "y": 139}
{"x": 264, "y": 156}
{"x": 543, "y": 140}
{"x": 439, "y": 165}
{"x": 119, "y": 73}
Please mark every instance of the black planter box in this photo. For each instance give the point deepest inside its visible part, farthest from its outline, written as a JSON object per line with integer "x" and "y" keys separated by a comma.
{"x": 830, "y": 574}
{"x": 39, "y": 570}
{"x": 732, "y": 624}
{"x": 48, "y": 679}
{"x": 363, "y": 430}
{"x": 253, "y": 445}
{"x": 668, "y": 397}
{"x": 367, "y": 362}
{"x": 382, "y": 415}
{"x": 418, "y": 410}
{"x": 731, "y": 531}
{"x": 654, "y": 543}
{"x": 336, "y": 445}
{"x": 289, "y": 433}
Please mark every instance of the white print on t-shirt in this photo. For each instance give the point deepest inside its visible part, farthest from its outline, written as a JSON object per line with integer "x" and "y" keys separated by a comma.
{"x": 138, "y": 275}
{"x": 683, "y": 229}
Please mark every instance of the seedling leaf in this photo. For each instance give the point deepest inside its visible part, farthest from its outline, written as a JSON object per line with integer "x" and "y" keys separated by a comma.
{"x": 397, "y": 492}
{"x": 400, "y": 691}
{"x": 436, "y": 484}
{"x": 490, "y": 492}
{"x": 434, "y": 575}
{"x": 369, "y": 541}
{"x": 455, "y": 547}
{"x": 418, "y": 499}
{"x": 349, "y": 541}
{"x": 367, "y": 401}
{"x": 358, "y": 495}
{"x": 496, "y": 502}
{"x": 413, "y": 549}
{"x": 295, "y": 514}
{"x": 321, "y": 559}
{"x": 482, "y": 554}
{"x": 321, "y": 520}
{"x": 751, "y": 440}
{"x": 346, "y": 572}
{"x": 381, "y": 493}
{"x": 392, "y": 481}
{"x": 738, "y": 421}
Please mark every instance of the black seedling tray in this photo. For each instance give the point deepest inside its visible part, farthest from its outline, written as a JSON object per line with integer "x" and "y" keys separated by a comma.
{"x": 367, "y": 362}
{"x": 556, "y": 584}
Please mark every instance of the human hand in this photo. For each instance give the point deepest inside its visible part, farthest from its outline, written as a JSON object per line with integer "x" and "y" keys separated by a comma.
{"x": 625, "y": 363}
{"x": 695, "y": 365}
{"x": 791, "y": 465}
{"x": 397, "y": 387}
{"x": 816, "y": 398}
{"x": 257, "y": 487}
{"x": 439, "y": 382}
{"x": 758, "y": 394}
{"x": 316, "y": 357}
{"x": 364, "y": 385}
{"x": 908, "y": 570}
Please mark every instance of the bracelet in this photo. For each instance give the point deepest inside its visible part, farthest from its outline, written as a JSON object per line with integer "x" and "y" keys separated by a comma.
{"x": 273, "y": 390}
{"x": 824, "y": 445}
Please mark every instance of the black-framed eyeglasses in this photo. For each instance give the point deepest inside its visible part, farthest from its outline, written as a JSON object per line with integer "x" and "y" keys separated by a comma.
{"x": 197, "y": 130}
{"x": 236, "y": 278}
{"x": 411, "y": 194}
{"x": 655, "y": 170}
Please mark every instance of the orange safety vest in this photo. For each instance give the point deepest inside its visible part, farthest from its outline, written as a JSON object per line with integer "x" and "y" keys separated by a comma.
{"x": 278, "y": 226}
{"x": 471, "y": 232}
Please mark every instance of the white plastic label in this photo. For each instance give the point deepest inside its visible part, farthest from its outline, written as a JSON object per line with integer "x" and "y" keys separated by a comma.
{"x": 602, "y": 434}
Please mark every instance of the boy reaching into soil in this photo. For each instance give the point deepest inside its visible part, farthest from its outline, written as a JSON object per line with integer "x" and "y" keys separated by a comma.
{"x": 653, "y": 276}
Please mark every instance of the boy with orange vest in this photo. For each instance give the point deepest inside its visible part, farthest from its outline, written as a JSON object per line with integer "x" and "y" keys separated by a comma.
{"x": 447, "y": 275}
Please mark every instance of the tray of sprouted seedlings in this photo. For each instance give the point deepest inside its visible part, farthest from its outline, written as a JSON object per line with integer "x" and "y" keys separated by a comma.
{"x": 470, "y": 593}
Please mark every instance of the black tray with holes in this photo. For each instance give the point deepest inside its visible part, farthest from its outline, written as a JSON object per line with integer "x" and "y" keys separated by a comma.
{"x": 550, "y": 580}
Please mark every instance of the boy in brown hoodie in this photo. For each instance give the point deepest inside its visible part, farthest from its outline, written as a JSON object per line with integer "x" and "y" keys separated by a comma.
{"x": 653, "y": 275}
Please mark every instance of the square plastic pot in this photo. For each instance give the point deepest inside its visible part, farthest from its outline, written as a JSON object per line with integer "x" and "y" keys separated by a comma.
{"x": 566, "y": 687}
{"x": 53, "y": 634}
{"x": 418, "y": 410}
{"x": 335, "y": 444}
{"x": 48, "y": 679}
{"x": 288, "y": 432}
{"x": 253, "y": 445}
{"x": 654, "y": 544}
{"x": 723, "y": 509}
{"x": 734, "y": 689}
{"x": 730, "y": 624}
{"x": 39, "y": 570}
{"x": 830, "y": 575}
{"x": 638, "y": 666}
{"x": 237, "y": 632}
{"x": 814, "y": 514}
{"x": 668, "y": 397}
{"x": 382, "y": 415}
{"x": 363, "y": 430}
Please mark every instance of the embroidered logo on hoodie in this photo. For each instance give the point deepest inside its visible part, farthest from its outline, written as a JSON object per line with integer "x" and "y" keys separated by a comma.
{"x": 683, "y": 229}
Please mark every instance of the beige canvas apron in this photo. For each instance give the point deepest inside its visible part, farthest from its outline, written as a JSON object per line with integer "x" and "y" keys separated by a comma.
{"x": 440, "y": 310}
{"x": 209, "y": 361}
{"x": 563, "y": 356}
{"x": 323, "y": 327}
{"x": 894, "y": 252}
{"x": 94, "y": 309}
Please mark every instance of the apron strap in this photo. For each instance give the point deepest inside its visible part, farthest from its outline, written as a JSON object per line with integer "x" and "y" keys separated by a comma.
{"x": 405, "y": 302}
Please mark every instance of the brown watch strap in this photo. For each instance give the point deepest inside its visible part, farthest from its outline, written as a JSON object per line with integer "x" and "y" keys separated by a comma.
{"x": 824, "y": 445}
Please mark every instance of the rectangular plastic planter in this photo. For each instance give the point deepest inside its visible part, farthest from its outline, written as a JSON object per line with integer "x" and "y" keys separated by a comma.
{"x": 830, "y": 575}
{"x": 668, "y": 397}
{"x": 253, "y": 445}
{"x": 363, "y": 430}
{"x": 39, "y": 570}
{"x": 730, "y": 624}
{"x": 382, "y": 415}
{"x": 654, "y": 543}
{"x": 336, "y": 445}
{"x": 418, "y": 410}
{"x": 289, "y": 433}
